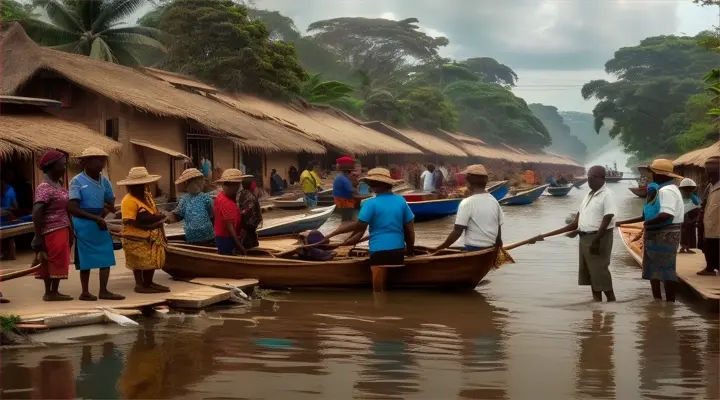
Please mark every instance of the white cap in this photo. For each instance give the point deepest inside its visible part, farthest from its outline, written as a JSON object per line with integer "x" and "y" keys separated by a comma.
{"x": 687, "y": 182}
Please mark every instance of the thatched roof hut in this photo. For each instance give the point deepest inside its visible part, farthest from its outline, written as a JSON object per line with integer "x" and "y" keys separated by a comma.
{"x": 430, "y": 144}
{"x": 22, "y": 59}
{"x": 698, "y": 157}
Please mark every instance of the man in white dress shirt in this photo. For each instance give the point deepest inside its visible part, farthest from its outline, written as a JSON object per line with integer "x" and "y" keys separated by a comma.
{"x": 594, "y": 223}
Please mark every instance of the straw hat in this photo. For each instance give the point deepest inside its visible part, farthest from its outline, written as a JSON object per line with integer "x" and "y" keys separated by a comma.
{"x": 92, "y": 152}
{"x": 232, "y": 175}
{"x": 379, "y": 175}
{"x": 188, "y": 174}
{"x": 662, "y": 166}
{"x": 475, "y": 169}
{"x": 687, "y": 182}
{"x": 138, "y": 176}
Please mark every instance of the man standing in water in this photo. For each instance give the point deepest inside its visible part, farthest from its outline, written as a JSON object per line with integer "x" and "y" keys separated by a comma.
{"x": 594, "y": 223}
{"x": 711, "y": 217}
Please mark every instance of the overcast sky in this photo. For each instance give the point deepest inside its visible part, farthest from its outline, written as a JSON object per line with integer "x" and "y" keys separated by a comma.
{"x": 554, "y": 45}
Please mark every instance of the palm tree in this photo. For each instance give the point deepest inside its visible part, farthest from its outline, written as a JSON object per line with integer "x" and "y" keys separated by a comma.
{"x": 315, "y": 90}
{"x": 94, "y": 28}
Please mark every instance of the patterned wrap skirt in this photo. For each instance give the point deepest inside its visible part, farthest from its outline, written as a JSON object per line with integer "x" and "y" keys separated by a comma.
{"x": 660, "y": 253}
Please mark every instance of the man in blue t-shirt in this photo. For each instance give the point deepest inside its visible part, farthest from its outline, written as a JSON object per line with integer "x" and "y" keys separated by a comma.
{"x": 345, "y": 195}
{"x": 392, "y": 232}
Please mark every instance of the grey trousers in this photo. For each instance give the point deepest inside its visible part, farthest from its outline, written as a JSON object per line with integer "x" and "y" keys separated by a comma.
{"x": 594, "y": 269}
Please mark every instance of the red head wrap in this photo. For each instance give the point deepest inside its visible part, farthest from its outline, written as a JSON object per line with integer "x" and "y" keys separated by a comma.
{"x": 345, "y": 161}
{"x": 49, "y": 158}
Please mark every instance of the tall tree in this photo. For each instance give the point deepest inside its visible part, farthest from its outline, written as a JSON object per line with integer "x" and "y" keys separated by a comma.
{"x": 491, "y": 70}
{"x": 647, "y": 102}
{"x": 563, "y": 141}
{"x": 12, "y": 10}
{"x": 217, "y": 41}
{"x": 94, "y": 28}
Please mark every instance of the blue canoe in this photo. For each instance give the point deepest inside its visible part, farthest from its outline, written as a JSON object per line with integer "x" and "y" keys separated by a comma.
{"x": 524, "y": 198}
{"x": 499, "y": 189}
{"x": 559, "y": 191}
{"x": 434, "y": 209}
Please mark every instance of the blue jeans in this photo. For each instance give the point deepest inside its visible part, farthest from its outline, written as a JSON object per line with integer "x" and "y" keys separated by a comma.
{"x": 311, "y": 199}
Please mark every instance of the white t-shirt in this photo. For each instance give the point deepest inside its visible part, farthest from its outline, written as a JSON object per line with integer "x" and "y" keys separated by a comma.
{"x": 428, "y": 184}
{"x": 444, "y": 172}
{"x": 595, "y": 207}
{"x": 482, "y": 216}
{"x": 671, "y": 202}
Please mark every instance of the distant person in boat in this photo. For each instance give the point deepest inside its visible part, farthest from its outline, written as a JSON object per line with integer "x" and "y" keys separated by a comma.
{"x": 427, "y": 178}
{"x": 8, "y": 213}
{"x": 663, "y": 214}
{"x": 316, "y": 253}
{"x": 594, "y": 224}
{"x": 392, "y": 232}
{"x": 562, "y": 181}
{"x": 250, "y": 213}
{"x": 53, "y": 232}
{"x": 552, "y": 182}
{"x": 91, "y": 196}
{"x": 195, "y": 208}
{"x": 345, "y": 196}
{"x": 688, "y": 230}
{"x": 228, "y": 222}
{"x": 710, "y": 217}
{"x": 277, "y": 184}
{"x": 479, "y": 216}
{"x": 143, "y": 236}
{"x": 310, "y": 182}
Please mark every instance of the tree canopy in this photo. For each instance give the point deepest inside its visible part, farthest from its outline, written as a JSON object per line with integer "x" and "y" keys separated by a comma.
{"x": 563, "y": 141}
{"x": 95, "y": 28}
{"x": 648, "y": 101}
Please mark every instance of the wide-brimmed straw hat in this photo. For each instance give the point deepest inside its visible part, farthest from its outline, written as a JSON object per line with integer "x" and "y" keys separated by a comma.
{"x": 188, "y": 174}
{"x": 92, "y": 152}
{"x": 662, "y": 166}
{"x": 138, "y": 176}
{"x": 687, "y": 182}
{"x": 475, "y": 169}
{"x": 232, "y": 175}
{"x": 379, "y": 175}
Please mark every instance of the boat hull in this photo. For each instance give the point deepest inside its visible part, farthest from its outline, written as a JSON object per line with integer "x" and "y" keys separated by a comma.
{"x": 524, "y": 198}
{"x": 301, "y": 223}
{"x": 627, "y": 232}
{"x": 559, "y": 191}
{"x": 290, "y": 204}
{"x": 499, "y": 191}
{"x": 434, "y": 209}
{"x": 579, "y": 182}
{"x": 639, "y": 192}
{"x": 458, "y": 271}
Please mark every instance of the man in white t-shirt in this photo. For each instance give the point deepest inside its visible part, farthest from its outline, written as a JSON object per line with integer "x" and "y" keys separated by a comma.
{"x": 479, "y": 215}
{"x": 594, "y": 223}
{"x": 427, "y": 179}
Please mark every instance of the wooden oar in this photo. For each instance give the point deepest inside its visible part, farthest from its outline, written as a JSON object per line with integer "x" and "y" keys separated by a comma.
{"x": 6, "y": 276}
{"x": 506, "y": 248}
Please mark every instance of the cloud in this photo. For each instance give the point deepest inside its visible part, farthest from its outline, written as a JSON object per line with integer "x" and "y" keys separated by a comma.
{"x": 524, "y": 34}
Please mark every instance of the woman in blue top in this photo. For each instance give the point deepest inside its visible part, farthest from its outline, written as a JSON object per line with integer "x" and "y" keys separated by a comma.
{"x": 195, "y": 208}
{"x": 8, "y": 211}
{"x": 392, "y": 232}
{"x": 90, "y": 195}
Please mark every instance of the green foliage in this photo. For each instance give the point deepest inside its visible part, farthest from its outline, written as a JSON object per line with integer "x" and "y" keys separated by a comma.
{"x": 383, "y": 106}
{"x": 655, "y": 79}
{"x": 495, "y": 114}
{"x": 8, "y": 322}
{"x": 217, "y": 41}
{"x": 563, "y": 142}
{"x": 315, "y": 90}
{"x": 428, "y": 109}
{"x": 491, "y": 70}
{"x": 94, "y": 28}
{"x": 12, "y": 10}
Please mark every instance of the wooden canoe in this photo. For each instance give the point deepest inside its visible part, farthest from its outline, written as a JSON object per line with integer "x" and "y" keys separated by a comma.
{"x": 456, "y": 270}
{"x": 525, "y": 197}
{"x": 15, "y": 229}
{"x": 632, "y": 238}
{"x": 290, "y": 204}
{"x": 559, "y": 191}
{"x": 498, "y": 189}
{"x": 639, "y": 191}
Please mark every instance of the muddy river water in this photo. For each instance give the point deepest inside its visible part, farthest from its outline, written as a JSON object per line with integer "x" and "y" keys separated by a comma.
{"x": 527, "y": 332}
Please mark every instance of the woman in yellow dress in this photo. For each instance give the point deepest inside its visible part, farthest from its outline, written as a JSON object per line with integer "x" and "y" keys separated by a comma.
{"x": 143, "y": 235}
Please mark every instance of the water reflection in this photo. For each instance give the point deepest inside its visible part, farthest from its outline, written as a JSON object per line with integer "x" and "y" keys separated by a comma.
{"x": 98, "y": 380}
{"x": 54, "y": 378}
{"x": 596, "y": 370}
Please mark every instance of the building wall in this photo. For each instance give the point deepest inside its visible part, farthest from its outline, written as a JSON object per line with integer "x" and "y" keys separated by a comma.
{"x": 281, "y": 162}
{"x": 226, "y": 154}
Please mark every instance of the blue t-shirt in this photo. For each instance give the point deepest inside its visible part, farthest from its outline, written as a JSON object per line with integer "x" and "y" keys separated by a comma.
{"x": 342, "y": 187}
{"x": 8, "y": 197}
{"x": 91, "y": 194}
{"x": 386, "y": 214}
{"x": 197, "y": 211}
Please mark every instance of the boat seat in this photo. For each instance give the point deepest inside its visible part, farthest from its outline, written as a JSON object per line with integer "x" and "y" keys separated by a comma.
{"x": 379, "y": 276}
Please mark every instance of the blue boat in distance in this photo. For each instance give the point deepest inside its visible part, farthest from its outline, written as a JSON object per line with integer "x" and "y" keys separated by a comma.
{"x": 524, "y": 198}
{"x": 429, "y": 210}
{"x": 498, "y": 189}
{"x": 559, "y": 191}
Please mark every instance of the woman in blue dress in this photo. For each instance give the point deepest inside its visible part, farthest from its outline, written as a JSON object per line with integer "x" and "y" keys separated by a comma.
{"x": 195, "y": 208}
{"x": 91, "y": 195}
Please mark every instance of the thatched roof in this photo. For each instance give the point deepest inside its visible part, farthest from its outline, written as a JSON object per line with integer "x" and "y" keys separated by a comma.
{"x": 324, "y": 124}
{"x": 30, "y": 133}
{"x": 179, "y": 80}
{"x": 22, "y": 59}
{"x": 698, "y": 158}
{"x": 424, "y": 141}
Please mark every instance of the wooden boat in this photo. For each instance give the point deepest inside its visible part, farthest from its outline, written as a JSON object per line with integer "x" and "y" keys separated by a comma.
{"x": 313, "y": 219}
{"x": 419, "y": 196}
{"x": 453, "y": 270}
{"x": 559, "y": 191}
{"x": 290, "y": 204}
{"x": 631, "y": 236}
{"x": 639, "y": 191}
{"x": 498, "y": 189}
{"x": 578, "y": 182}
{"x": 434, "y": 209}
{"x": 15, "y": 228}
{"x": 524, "y": 198}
